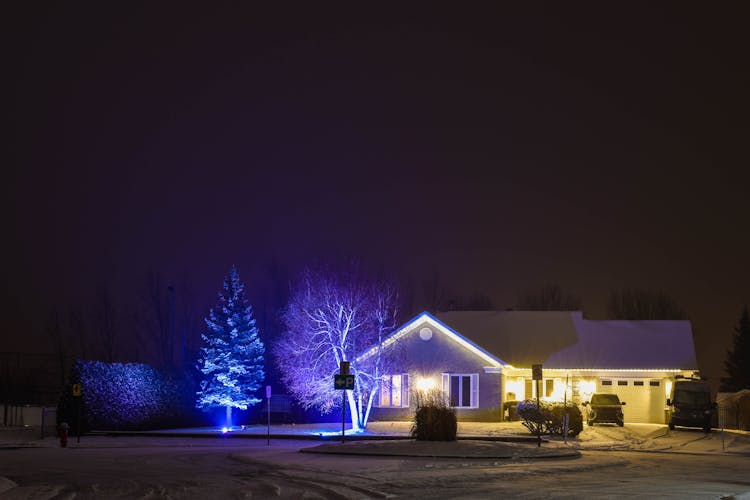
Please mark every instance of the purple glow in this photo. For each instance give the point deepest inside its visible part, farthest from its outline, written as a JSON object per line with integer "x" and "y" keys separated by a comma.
{"x": 333, "y": 317}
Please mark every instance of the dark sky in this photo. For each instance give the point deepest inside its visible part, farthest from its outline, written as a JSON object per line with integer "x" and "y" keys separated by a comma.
{"x": 591, "y": 147}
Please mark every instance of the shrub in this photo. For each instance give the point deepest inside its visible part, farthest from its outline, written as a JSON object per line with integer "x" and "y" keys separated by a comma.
{"x": 125, "y": 396}
{"x": 549, "y": 417}
{"x": 434, "y": 420}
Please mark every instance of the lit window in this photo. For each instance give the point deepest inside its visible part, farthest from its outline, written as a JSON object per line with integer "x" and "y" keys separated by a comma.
{"x": 461, "y": 390}
{"x": 394, "y": 391}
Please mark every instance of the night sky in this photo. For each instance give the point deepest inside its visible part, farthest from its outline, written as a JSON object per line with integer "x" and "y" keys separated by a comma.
{"x": 589, "y": 147}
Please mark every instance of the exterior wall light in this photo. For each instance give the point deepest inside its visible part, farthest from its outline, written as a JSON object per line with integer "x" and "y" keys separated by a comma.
{"x": 425, "y": 384}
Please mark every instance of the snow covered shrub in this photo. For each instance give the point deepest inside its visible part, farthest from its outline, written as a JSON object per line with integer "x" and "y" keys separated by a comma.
{"x": 122, "y": 396}
{"x": 575, "y": 419}
{"x": 434, "y": 420}
{"x": 549, "y": 416}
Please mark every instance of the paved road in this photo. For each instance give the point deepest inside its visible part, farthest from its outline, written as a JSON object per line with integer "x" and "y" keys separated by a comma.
{"x": 220, "y": 468}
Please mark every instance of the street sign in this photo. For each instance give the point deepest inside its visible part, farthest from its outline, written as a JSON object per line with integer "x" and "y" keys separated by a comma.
{"x": 268, "y": 391}
{"x": 536, "y": 372}
{"x": 343, "y": 382}
{"x": 76, "y": 390}
{"x": 344, "y": 368}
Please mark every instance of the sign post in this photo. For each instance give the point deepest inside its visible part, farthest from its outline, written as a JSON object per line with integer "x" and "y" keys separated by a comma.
{"x": 268, "y": 403}
{"x": 341, "y": 381}
{"x": 77, "y": 396}
{"x": 536, "y": 374}
{"x": 565, "y": 412}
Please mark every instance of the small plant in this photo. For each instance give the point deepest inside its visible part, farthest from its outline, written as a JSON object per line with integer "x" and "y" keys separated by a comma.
{"x": 550, "y": 417}
{"x": 434, "y": 420}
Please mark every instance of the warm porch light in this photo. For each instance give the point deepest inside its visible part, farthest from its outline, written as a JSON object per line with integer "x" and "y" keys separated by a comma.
{"x": 514, "y": 389}
{"x": 558, "y": 390}
{"x": 587, "y": 388}
{"x": 425, "y": 384}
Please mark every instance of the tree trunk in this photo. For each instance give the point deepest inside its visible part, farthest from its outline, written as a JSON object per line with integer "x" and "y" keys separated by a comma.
{"x": 353, "y": 413}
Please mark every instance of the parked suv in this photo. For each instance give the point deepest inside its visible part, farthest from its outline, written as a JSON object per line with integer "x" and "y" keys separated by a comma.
{"x": 604, "y": 408}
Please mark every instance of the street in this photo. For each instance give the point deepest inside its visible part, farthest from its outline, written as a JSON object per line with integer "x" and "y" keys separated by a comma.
{"x": 134, "y": 467}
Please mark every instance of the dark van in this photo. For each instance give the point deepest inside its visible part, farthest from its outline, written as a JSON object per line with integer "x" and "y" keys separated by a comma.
{"x": 690, "y": 404}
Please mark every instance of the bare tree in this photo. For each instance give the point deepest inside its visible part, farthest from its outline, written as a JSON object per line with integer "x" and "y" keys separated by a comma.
{"x": 105, "y": 323}
{"x": 59, "y": 342}
{"x": 334, "y": 317}
{"x": 478, "y": 301}
{"x": 186, "y": 323}
{"x": 548, "y": 298}
{"x": 155, "y": 320}
{"x": 78, "y": 330}
{"x": 434, "y": 292}
{"x": 643, "y": 305}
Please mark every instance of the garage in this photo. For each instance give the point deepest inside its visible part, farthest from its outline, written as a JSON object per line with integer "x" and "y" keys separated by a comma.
{"x": 644, "y": 398}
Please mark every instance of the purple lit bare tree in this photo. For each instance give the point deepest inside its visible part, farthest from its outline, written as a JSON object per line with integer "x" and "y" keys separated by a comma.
{"x": 334, "y": 317}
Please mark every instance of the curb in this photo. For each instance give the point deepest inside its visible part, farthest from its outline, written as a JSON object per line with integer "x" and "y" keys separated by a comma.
{"x": 309, "y": 437}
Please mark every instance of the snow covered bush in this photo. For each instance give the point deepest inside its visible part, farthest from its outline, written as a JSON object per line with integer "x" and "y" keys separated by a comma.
{"x": 434, "y": 420}
{"x": 122, "y": 396}
{"x": 550, "y": 415}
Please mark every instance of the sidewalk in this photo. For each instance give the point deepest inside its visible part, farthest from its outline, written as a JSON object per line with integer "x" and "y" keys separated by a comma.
{"x": 510, "y": 435}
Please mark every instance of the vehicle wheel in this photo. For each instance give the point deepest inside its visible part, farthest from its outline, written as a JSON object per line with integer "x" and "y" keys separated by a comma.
{"x": 620, "y": 423}
{"x": 590, "y": 422}
{"x": 671, "y": 426}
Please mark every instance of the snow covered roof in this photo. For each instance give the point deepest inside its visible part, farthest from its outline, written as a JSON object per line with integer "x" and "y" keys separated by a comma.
{"x": 563, "y": 339}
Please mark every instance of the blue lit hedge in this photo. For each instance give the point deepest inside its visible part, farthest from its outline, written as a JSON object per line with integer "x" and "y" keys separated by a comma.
{"x": 126, "y": 396}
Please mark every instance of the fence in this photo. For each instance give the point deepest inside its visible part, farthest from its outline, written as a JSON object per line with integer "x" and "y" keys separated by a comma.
{"x": 28, "y": 416}
{"x": 734, "y": 410}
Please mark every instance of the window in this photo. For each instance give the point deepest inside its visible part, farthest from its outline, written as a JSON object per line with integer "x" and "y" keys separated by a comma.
{"x": 638, "y": 383}
{"x": 461, "y": 390}
{"x": 622, "y": 382}
{"x": 654, "y": 383}
{"x": 606, "y": 382}
{"x": 549, "y": 387}
{"x": 394, "y": 391}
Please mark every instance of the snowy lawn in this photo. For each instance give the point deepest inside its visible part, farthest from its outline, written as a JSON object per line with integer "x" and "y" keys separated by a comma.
{"x": 631, "y": 437}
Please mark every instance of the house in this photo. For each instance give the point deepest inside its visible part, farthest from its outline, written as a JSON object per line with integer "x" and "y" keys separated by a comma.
{"x": 482, "y": 359}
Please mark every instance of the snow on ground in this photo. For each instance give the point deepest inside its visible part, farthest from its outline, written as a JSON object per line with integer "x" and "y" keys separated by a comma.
{"x": 631, "y": 437}
{"x": 180, "y": 465}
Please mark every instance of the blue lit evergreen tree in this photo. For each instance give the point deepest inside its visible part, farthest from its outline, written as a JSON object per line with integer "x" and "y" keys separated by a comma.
{"x": 232, "y": 359}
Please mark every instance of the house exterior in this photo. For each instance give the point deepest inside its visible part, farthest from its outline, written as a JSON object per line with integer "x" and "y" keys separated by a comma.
{"x": 482, "y": 359}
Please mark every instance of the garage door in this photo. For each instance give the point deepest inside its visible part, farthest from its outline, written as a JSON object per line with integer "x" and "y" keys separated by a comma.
{"x": 644, "y": 398}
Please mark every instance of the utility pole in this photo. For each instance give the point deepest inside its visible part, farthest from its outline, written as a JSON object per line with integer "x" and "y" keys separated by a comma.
{"x": 171, "y": 326}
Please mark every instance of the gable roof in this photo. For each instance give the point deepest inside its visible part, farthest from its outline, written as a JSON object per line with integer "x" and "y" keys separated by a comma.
{"x": 522, "y": 338}
{"x": 564, "y": 339}
{"x": 426, "y": 319}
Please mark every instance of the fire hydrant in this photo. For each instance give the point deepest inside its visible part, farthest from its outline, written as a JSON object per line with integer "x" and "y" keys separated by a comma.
{"x": 62, "y": 431}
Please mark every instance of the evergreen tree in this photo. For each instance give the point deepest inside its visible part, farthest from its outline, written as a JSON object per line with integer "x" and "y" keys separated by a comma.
{"x": 737, "y": 364}
{"x": 232, "y": 359}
